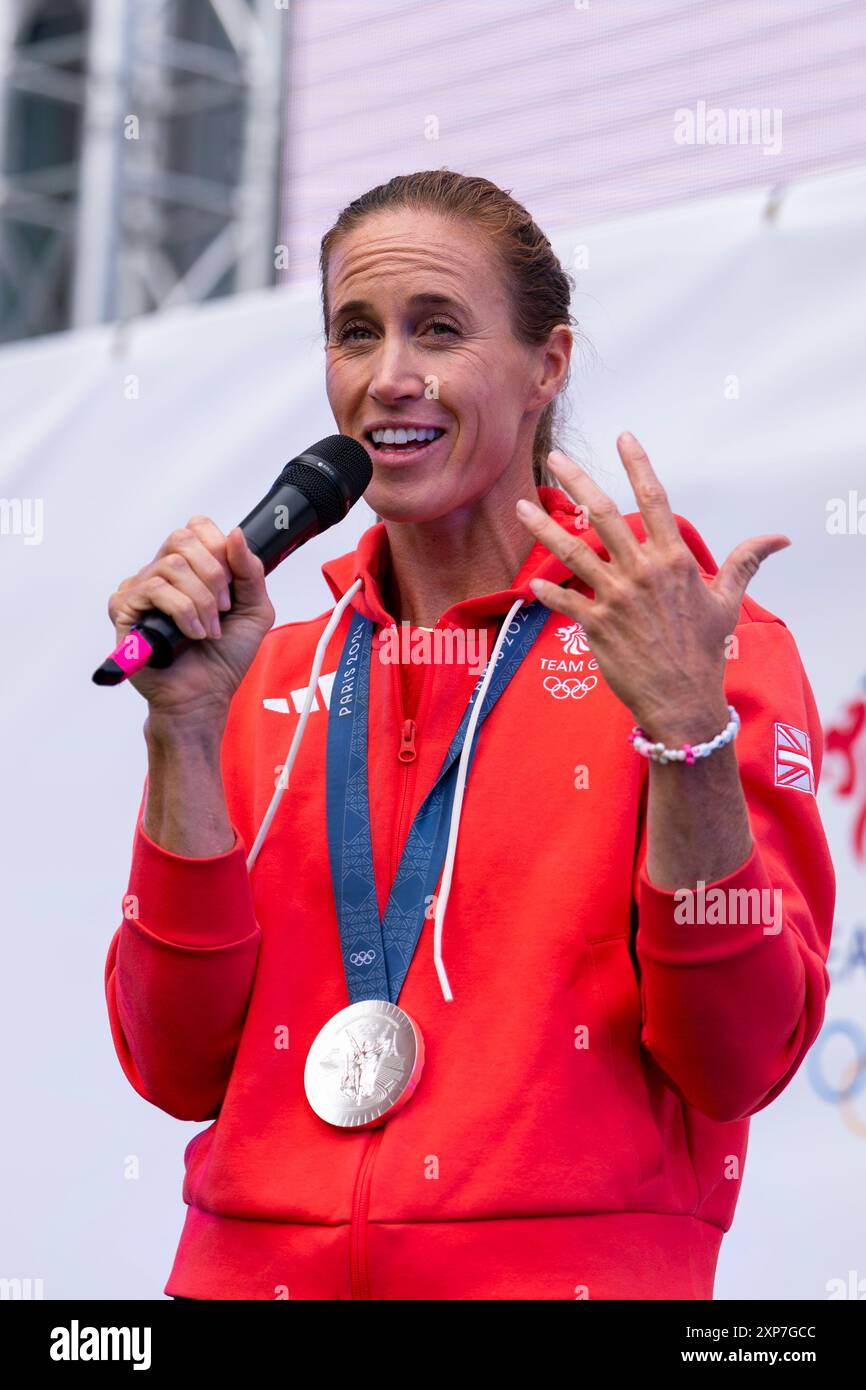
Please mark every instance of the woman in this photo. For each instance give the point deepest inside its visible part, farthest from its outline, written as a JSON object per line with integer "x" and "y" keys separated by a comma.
{"x": 634, "y": 960}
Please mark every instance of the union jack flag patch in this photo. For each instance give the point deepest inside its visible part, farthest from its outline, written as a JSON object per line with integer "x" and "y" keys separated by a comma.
{"x": 794, "y": 759}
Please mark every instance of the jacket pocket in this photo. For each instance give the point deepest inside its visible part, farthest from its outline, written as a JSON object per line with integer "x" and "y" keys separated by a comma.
{"x": 619, "y": 989}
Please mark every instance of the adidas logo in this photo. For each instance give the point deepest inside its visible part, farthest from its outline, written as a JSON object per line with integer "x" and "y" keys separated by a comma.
{"x": 294, "y": 703}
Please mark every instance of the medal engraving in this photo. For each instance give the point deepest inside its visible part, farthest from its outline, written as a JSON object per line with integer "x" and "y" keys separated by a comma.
{"x": 364, "y": 1064}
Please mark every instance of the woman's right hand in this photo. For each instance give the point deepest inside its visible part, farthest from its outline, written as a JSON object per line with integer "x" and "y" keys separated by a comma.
{"x": 188, "y": 579}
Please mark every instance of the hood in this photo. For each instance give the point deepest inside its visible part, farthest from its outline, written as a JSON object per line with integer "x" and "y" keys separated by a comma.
{"x": 367, "y": 563}
{"x": 355, "y": 579}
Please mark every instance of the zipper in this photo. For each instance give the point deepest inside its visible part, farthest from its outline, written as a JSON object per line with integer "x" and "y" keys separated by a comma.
{"x": 359, "y": 1274}
{"x": 407, "y": 742}
{"x": 407, "y": 754}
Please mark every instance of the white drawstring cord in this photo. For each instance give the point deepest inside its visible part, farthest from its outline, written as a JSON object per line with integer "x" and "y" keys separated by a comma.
{"x": 333, "y": 621}
{"x": 445, "y": 889}
{"x": 454, "y": 826}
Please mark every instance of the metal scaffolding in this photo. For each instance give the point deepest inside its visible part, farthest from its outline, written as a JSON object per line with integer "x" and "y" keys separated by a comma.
{"x": 140, "y": 146}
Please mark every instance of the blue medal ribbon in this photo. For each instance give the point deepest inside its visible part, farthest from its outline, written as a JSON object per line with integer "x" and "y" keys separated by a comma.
{"x": 377, "y": 954}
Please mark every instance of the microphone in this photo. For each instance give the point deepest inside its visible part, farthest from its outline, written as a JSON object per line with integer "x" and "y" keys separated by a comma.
{"x": 314, "y": 491}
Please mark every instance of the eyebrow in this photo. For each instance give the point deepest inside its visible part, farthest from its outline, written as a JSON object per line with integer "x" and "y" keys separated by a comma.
{"x": 362, "y": 306}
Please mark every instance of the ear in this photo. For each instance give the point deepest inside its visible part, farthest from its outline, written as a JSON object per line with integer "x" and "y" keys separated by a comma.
{"x": 554, "y": 361}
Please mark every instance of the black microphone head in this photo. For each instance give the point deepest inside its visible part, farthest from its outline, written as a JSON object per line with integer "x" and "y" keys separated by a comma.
{"x": 332, "y": 475}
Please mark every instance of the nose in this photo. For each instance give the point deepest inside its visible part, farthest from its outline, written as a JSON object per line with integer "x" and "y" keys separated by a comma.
{"x": 394, "y": 372}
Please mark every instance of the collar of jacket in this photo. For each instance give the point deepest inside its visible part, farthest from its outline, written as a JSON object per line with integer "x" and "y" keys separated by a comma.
{"x": 368, "y": 559}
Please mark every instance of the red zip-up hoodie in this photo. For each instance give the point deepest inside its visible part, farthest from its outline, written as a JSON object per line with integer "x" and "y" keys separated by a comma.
{"x": 581, "y": 1121}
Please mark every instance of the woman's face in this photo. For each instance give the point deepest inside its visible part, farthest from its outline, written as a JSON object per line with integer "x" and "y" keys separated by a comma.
{"x": 419, "y": 335}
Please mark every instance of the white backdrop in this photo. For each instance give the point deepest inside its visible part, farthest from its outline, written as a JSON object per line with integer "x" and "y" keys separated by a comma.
{"x": 730, "y": 342}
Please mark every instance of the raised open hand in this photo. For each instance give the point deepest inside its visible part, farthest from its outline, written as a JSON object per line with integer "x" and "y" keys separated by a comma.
{"x": 656, "y": 627}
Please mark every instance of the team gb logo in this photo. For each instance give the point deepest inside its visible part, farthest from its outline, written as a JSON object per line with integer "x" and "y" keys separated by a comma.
{"x": 573, "y": 638}
{"x": 571, "y": 675}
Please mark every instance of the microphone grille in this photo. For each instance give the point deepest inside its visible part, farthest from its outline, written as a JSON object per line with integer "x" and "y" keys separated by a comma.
{"x": 331, "y": 501}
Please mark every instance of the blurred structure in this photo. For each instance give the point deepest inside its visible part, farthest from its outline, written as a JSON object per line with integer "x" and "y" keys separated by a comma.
{"x": 147, "y": 144}
{"x": 573, "y": 105}
{"x": 141, "y": 155}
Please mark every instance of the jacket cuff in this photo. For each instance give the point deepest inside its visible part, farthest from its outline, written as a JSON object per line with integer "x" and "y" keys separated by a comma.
{"x": 711, "y": 922}
{"x": 202, "y": 902}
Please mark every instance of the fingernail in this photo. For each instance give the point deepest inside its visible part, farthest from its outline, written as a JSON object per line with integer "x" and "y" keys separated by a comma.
{"x": 215, "y": 628}
{"x": 225, "y": 602}
{"x": 525, "y": 508}
{"x": 627, "y": 437}
{"x": 198, "y": 628}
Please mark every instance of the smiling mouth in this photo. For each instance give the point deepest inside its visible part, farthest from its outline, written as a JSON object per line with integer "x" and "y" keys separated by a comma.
{"x": 399, "y": 443}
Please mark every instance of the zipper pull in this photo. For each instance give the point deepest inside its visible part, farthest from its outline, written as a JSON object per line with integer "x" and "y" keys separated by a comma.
{"x": 407, "y": 742}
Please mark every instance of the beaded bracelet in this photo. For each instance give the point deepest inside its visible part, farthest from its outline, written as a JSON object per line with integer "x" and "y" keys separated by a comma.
{"x": 689, "y": 751}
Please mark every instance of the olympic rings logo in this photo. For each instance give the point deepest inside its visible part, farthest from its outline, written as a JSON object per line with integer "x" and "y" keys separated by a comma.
{"x": 852, "y": 1078}
{"x": 362, "y": 957}
{"x": 572, "y": 687}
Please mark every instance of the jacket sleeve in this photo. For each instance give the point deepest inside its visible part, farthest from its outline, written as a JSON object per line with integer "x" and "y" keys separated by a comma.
{"x": 729, "y": 1011}
{"x": 179, "y": 974}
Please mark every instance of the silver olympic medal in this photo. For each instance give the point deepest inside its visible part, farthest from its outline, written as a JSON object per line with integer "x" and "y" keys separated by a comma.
{"x": 364, "y": 1064}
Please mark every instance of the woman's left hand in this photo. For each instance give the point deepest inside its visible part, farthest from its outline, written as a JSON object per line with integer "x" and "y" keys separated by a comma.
{"x": 656, "y": 628}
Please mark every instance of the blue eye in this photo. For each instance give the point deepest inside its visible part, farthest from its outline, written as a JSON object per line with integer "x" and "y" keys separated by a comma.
{"x": 351, "y": 328}
{"x": 444, "y": 323}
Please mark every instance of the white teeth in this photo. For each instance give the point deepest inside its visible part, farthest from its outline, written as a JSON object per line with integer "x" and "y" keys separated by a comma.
{"x": 401, "y": 436}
